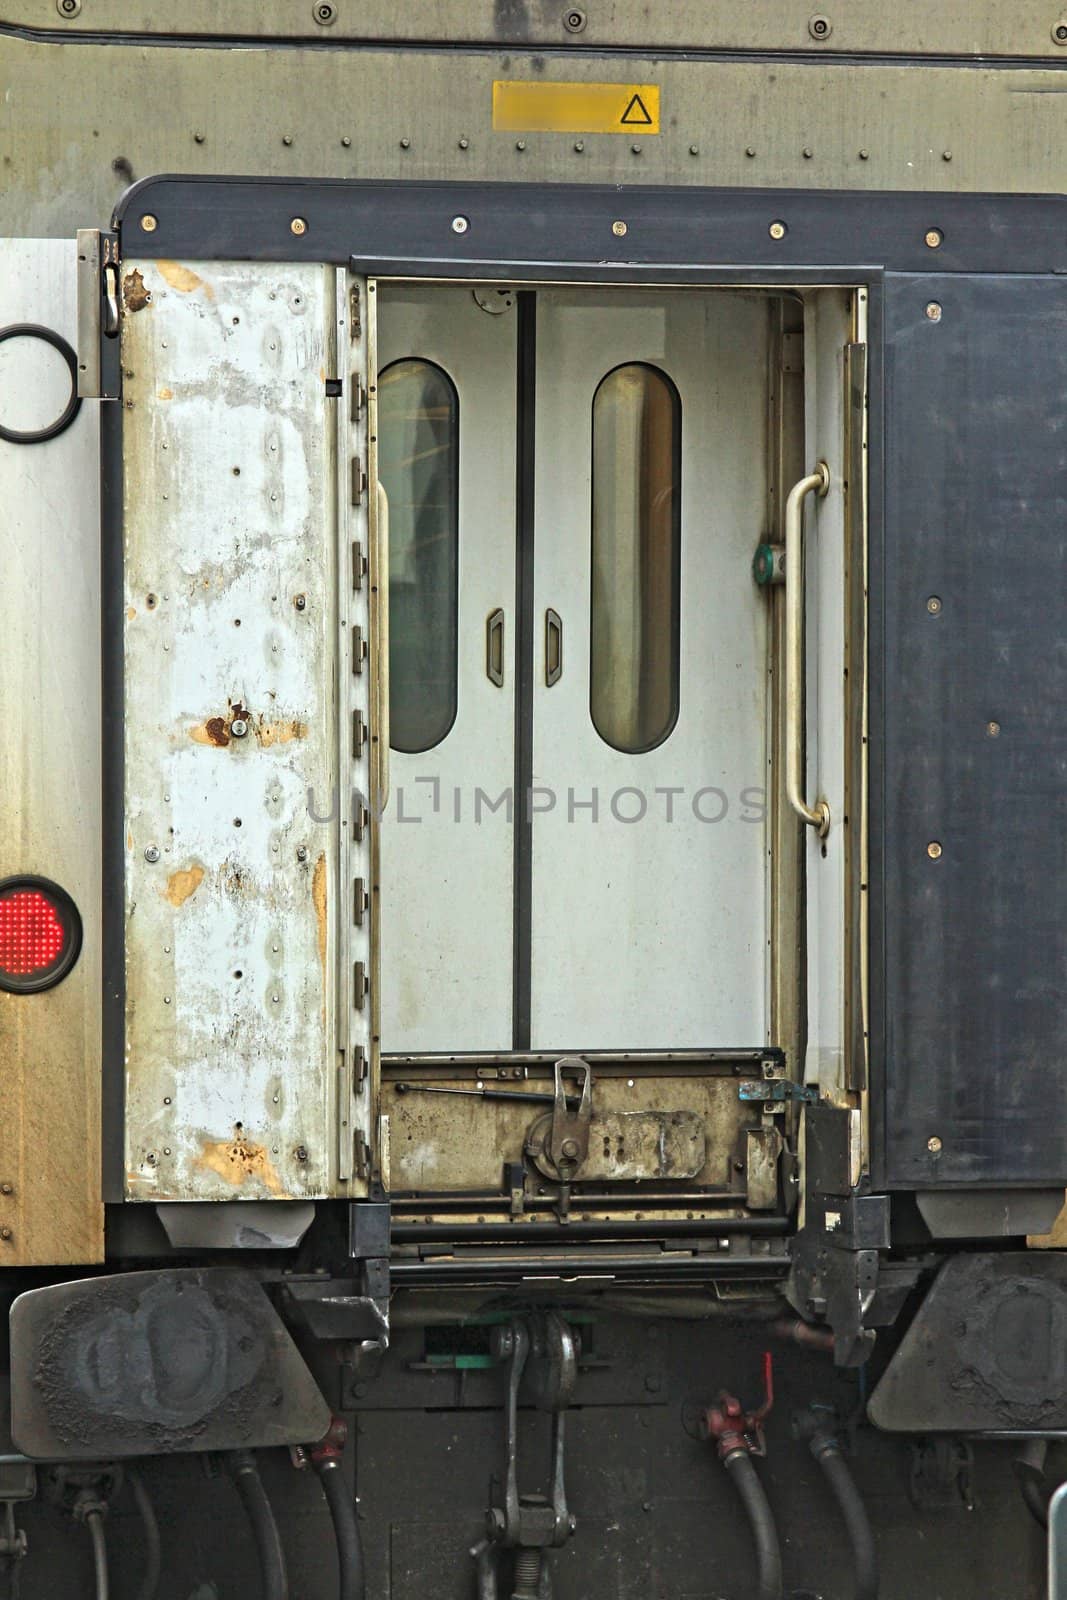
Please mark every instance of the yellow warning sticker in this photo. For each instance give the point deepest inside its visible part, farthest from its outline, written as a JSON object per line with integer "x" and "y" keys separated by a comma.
{"x": 575, "y": 107}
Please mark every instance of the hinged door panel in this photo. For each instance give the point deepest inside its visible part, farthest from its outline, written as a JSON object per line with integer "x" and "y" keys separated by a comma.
{"x": 240, "y": 1031}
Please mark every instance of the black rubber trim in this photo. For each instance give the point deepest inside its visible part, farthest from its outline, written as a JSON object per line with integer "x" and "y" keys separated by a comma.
{"x": 36, "y": 982}
{"x": 34, "y": 330}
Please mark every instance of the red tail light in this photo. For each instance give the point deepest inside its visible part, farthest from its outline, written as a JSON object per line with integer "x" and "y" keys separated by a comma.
{"x": 40, "y": 934}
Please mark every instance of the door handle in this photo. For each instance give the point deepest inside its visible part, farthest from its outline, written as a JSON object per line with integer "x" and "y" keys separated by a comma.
{"x": 818, "y": 815}
{"x": 553, "y": 647}
{"x": 494, "y": 647}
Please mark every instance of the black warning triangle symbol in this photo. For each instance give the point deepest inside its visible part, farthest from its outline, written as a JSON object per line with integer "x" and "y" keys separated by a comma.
{"x": 636, "y": 114}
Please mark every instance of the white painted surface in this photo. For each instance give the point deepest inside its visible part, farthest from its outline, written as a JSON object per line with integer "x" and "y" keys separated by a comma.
{"x": 447, "y": 871}
{"x": 50, "y": 767}
{"x": 652, "y": 933}
{"x": 231, "y": 515}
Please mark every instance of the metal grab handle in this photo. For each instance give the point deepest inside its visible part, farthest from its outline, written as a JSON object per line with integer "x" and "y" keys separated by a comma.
{"x": 380, "y": 582}
{"x": 494, "y": 648}
{"x": 817, "y": 816}
{"x": 553, "y": 647}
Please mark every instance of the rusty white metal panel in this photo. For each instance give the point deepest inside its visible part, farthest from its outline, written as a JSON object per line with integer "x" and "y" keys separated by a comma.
{"x": 51, "y": 1211}
{"x": 237, "y": 684}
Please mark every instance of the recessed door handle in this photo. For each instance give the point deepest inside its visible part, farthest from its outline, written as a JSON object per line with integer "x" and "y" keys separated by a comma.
{"x": 494, "y": 647}
{"x": 818, "y": 815}
{"x": 553, "y": 647}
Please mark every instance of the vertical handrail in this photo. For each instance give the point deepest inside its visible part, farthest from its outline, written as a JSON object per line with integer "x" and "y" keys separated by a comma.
{"x": 381, "y": 580}
{"x": 818, "y": 815}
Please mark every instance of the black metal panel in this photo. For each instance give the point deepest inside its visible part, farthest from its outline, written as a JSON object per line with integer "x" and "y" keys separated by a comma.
{"x": 971, "y": 868}
{"x": 535, "y": 230}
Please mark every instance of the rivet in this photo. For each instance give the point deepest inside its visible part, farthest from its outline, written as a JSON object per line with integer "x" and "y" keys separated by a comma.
{"x": 167, "y": 1100}
{"x": 946, "y": 155}
{"x": 405, "y": 144}
{"x": 166, "y": 1149}
{"x": 777, "y": 230}
{"x": 636, "y": 148}
{"x": 750, "y": 150}
{"x": 933, "y": 1144}
{"x": 7, "y": 1188}
{"x": 933, "y": 850}
{"x": 520, "y": 144}
{"x": 933, "y": 311}
{"x": 460, "y": 224}
{"x": 464, "y": 144}
{"x": 694, "y": 149}
{"x": 149, "y": 223}
{"x": 346, "y": 141}
{"x": 151, "y": 852}
{"x": 166, "y": 999}
{"x": 808, "y": 152}
{"x": 820, "y": 26}
{"x": 238, "y": 727}
{"x": 993, "y": 729}
{"x": 618, "y": 229}
{"x": 934, "y": 238}
{"x": 629, "y": 1083}
{"x": 287, "y": 138}
{"x": 298, "y": 226}
{"x": 5, "y": 1233}
{"x": 198, "y": 136}
{"x": 933, "y": 605}
{"x": 579, "y": 146}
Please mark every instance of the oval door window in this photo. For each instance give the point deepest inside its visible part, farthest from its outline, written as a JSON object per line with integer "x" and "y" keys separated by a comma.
{"x": 636, "y": 558}
{"x": 418, "y": 463}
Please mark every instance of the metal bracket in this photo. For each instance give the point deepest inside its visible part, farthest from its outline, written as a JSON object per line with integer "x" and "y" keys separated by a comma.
{"x": 568, "y": 1141}
{"x": 99, "y": 368}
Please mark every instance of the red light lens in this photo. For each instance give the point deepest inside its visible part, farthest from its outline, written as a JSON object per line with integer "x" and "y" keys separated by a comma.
{"x": 32, "y": 938}
{"x": 40, "y": 934}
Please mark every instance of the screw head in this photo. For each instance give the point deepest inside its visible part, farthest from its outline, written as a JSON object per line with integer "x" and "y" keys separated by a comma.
{"x": 464, "y": 144}
{"x": 933, "y": 1144}
{"x": 1059, "y": 32}
{"x": 777, "y": 230}
{"x": 238, "y": 728}
{"x": 933, "y": 311}
{"x": 619, "y": 229}
{"x": 5, "y": 1233}
{"x": 300, "y": 602}
{"x": 570, "y": 1148}
{"x": 7, "y": 1188}
{"x": 149, "y": 223}
{"x": 934, "y": 238}
{"x": 151, "y": 853}
{"x": 993, "y": 729}
{"x": 820, "y": 26}
{"x": 460, "y": 224}
{"x": 68, "y": 8}
{"x": 298, "y": 226}
{"x": 574, "y": 19}
{"x": 301, "y": 1152}
{"x": 933, "y": 605}
{"x": 324, "y": 13}
{"x": 934, "y": 850}
{"x": 302, "y": 853}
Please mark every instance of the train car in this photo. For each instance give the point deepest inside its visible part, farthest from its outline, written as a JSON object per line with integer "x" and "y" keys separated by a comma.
{"x": 533, "y": 789}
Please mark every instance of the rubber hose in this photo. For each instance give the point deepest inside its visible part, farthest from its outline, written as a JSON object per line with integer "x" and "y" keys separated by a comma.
{"x": 152, "y": 1552}
{"x": 95, "y": 1524}
{"x": 353, "y": 1581}
{"x": 249, "y": 1486}
{"x": 761, "y": 1517}
{"x": 838, "y": 1475}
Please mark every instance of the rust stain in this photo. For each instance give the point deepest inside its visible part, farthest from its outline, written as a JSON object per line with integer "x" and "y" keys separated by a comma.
{"x": 183, "y": 884}
{"x": 318, "y": 895}
{"x": 238, "y": 1160}
{"x": 131, "y": 612}
{"x": 134, "y": 294}
{"x": 269, "y": 733}
{"x": 215, "y": 730}
{"x": 166, "y": 394}
{"x": 184, "y": 279}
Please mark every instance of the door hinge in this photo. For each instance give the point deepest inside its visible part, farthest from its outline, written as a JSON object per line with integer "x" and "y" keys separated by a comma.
{"x": 362, "y": 819}
{"x": 359, "y": 1069}
{"x": 360, "y": 985}
{"x": 360, "y": 902}
{"x": 359, "y": 649}
{"x": 359, "y": 481}
{"x": 359, "y": 395}
{"x": 793, "y": 352}
{"x": 359, "y": 564}
{"x": 355, "y": 315}
{"x": 359, "y": 734}
{"x": 362, "y": 1157}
